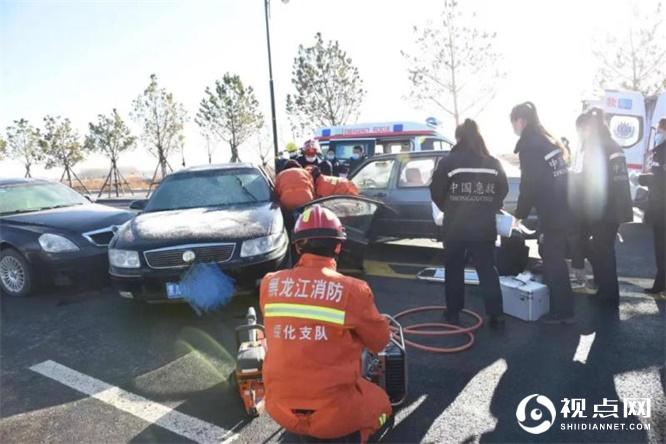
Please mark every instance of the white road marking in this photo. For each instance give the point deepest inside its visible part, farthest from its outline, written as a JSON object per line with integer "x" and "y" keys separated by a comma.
{"x": 473, "y": 404}
{"x": 584, "y": 346}
{"x": 152, "y": 412}
{"x": 644, "y": 384}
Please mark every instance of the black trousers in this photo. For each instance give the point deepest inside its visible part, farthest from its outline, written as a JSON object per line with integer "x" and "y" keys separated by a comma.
{"x": 660, "y": 257}
{"x": 555, "y": 271}
{"x": 602, "y": 257}
{"x": 483, "y": 254}
{"x": 579, "y": 246}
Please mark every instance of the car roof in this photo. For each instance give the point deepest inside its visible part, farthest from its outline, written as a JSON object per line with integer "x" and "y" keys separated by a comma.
{"x": 216, "y": 167}
{"x": 428, "y": 153}
{"x": 20, "y": 181}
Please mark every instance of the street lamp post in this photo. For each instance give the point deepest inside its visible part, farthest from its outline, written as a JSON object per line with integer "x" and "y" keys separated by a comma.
{"x": 270, "y": 73}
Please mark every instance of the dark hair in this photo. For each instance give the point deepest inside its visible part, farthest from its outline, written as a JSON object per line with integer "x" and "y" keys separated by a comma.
{"x": 357, "y": 147}
{"x": 594, "y": 119}
{"x": 528, "y": 113}
{"x": 320, "y": 247}
{"x": 662, "y": 124}
{"x": 291, "y": 164}
{"x": 469, "y": 137}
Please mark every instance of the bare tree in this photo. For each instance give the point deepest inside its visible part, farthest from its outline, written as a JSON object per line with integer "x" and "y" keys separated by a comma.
{"x": 23, "y": 144}
{"x": 163, "y": 120}
{"x": 231, "y": 111}
{"x": 61, "y": 148}
{"x": 111, "y": 137}
{"x": 329, "y": 88}
{"x": 634, "y": 57}
{"x": 455, "y": 67}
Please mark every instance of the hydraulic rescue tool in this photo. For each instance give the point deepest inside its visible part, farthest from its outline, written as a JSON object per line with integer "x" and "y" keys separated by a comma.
{"x": 250, "y": 362}
{"x": 388, "y": 368}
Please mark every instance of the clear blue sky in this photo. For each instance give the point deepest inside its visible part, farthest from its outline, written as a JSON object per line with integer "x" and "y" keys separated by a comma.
{"x": 79, "y": 59}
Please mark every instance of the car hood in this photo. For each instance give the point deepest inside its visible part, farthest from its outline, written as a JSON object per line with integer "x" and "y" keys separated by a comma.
{"x": 200, "y": 225}
{"x": 78, "y": 219}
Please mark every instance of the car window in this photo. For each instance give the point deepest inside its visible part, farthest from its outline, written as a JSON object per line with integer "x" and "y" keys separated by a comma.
{"x": 210, "y": 189}
{"x": 24, "y": 198}
{"x": 429, "y": 144}
{"x": 394, "y": 146}
{"x": 416, "y": 173}
{"x": 376, "y": 174}
{"x": 353, "y": 213}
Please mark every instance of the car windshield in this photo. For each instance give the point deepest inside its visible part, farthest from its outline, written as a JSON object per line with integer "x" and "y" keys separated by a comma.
{"x": 210, "y": 189}
{"x": 29, "y": 197}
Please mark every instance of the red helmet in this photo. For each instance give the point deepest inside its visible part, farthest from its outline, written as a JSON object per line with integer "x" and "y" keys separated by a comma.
{"x": 318, "y": 222}
{"x": 310, "y": 147}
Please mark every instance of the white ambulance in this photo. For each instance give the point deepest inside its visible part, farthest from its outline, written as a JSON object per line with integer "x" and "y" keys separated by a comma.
{"x": 383, "y": 138}
{"x": 632, "y": 119}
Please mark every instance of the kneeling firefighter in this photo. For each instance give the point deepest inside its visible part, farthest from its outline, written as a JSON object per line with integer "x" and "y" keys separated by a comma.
{"x": 333, "y": 186}
{"x": 318, "y": 321}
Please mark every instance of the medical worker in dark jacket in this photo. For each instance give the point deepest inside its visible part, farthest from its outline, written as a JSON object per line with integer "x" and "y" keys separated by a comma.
{"x": 656, "y": 210}
{"x": 469, "y": 187}
{"x": 606, "y": 200}
{"x": 543, "y": 186}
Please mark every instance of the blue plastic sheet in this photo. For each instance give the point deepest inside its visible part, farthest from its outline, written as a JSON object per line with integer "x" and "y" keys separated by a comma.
{"x": 207, "y": 288}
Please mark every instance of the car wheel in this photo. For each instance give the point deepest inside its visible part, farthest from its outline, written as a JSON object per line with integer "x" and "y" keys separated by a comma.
{"x": 15, "y": 274}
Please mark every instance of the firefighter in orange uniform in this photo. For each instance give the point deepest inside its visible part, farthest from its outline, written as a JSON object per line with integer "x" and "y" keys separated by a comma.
{"x": 333, "y": 186}
{"x": 318, "y": 322}
{"x": 294, "y": 186}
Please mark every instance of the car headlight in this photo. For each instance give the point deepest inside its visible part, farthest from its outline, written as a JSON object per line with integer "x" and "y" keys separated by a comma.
{"x": 124, "y": 258}
{"x": 53, "y": 243}
{"x": 263, "y": 245}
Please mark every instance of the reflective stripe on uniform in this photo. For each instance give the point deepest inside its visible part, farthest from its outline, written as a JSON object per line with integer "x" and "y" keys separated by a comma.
{"x": 616, "y": 155}
{"x": 552, "y": 154}
{"x": 306, "y": 312}
{"x": 382, "y": 419}
{"x": 473, "y": 170}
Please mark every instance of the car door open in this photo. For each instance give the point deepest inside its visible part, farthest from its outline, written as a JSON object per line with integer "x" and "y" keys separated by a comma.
{"x": 357, "y": 215}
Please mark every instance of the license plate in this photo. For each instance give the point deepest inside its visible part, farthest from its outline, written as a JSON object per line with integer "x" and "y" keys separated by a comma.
{"x": 173, "y": 291}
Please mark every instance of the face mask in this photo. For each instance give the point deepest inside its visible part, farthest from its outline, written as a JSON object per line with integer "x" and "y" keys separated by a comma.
{"x": 330, "y": 156}
{"x": 356, "y": 156}
{"x": 310, "y": 158}
{"x": 659, "y": 138}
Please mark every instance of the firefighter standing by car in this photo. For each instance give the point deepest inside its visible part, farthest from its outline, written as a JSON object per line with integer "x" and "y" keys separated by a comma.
{"x": 310, "y": 160}
{"x": 655, "y": 214}
{"x": 469, "y": 187}
{"x": 294, "y": 187}
{"x": 317, "y": 323}
{"x": 543, "y": 185}
{"x": 606, "y": 200}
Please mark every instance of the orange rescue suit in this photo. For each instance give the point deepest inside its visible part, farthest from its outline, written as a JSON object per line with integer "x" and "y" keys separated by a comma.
{"x": 334, "y": 186}
{"x": 294, "y": 187}
{"x": 317, "y": 323}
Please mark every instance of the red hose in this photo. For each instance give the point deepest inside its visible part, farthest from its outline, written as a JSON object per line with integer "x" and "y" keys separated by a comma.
{"x": 450, "y": 330}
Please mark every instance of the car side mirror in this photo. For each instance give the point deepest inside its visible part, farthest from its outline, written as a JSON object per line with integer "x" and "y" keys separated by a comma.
{"x": 89, "y": 197}
{"x": 138, "y": 204}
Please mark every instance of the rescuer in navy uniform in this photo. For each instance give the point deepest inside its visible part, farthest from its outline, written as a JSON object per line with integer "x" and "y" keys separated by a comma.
{"x": 606, "y": 200}
{"x": 469, "y": 187}
{"x": 543, "y": 185}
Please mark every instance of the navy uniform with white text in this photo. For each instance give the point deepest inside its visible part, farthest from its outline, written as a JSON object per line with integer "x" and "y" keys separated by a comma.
{"x": 543, "y": 186}
{"x": 470, "y": 190}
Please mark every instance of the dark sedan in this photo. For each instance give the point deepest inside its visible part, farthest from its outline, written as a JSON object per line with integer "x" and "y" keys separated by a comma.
{"x": 224, "y": 214}
{"x": 49, "y": 234}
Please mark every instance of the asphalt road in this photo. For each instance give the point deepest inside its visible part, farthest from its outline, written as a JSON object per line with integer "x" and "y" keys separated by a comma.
{"x": 161, "y": 373}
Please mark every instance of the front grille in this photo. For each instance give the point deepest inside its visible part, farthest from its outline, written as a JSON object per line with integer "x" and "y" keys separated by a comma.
{"x": 172, "y": 257}
{"x": 100, "y": 238}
